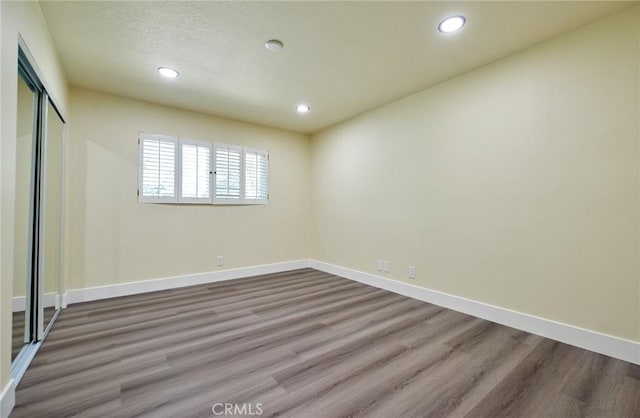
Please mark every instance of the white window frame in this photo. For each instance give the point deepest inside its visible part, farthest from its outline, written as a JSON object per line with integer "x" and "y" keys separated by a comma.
{"x": 196, "y": 200}
{"x": 264, "y": 153}
{"x": 150, "y": 199}
{"x": 213, "y": 146}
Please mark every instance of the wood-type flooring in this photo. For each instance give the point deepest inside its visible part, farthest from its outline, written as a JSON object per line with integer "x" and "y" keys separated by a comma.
{"x": 309, "y": 344}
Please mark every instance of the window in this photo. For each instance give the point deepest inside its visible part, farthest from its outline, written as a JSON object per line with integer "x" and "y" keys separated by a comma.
{"x": 157, "y": 169}
{"x": 228, "y": 174}
{"x": 256, "y": 175}
{"x": 196, "y": 171}
{"x": 176, "y": 170}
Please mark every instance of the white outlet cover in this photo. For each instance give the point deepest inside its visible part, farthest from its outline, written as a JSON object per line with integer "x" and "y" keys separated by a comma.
{"x": 412, "y": 272}
{"x": 220, "y": 260}
{"x": 386, "y": 266}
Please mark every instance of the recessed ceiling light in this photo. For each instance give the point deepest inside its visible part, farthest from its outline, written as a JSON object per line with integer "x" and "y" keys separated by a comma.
{"x": 168, "y": 72}
{"x": 303, "y": 108}
{"x": 274, "y": 45}
{"x": 452, "y": 24}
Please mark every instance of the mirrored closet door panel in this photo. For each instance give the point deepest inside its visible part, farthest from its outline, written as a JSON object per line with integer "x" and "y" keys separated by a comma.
{"x": 23, "y": 222}
{"x": 51, "y": 213}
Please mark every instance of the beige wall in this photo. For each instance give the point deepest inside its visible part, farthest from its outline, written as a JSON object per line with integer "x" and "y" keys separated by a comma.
{"x": 6, "y": 290}
{"x": 114, "y": 239}
{"x": 18, "y": 19}
{"x": 515, "y": 185}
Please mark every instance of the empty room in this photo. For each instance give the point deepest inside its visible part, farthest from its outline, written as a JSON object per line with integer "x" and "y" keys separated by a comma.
{"x": 320, "y": 209}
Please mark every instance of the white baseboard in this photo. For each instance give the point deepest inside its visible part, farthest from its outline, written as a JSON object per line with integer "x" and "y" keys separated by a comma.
{"x": 20, "y": 302}
{"x": 144, "y": 286}
{"x": 594, "y": 341}
{"x": 8, "y": 399}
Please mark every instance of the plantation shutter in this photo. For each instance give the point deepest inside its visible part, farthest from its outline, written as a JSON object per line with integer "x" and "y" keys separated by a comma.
{"x": 228, "y": 174}
{"x": 196, "y": 170}
{"x": 256, "y": 176}
{"x": 157, "y": 165}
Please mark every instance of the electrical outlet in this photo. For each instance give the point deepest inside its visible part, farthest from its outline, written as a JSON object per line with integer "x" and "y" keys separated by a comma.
{"x": 220, "y": 260}
{"x": 386, "y": 266}
{"x": 379, "y": 265}
{"x": 412, "y": 272}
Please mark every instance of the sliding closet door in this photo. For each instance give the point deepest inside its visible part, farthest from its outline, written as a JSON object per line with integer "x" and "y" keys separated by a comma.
{"x": 24, "y": 218}
{"x": 51, "y": 213}
{"x": 38, "y": 215}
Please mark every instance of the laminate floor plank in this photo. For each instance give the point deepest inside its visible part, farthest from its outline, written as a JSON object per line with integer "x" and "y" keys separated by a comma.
{"x": 306, "y": 343}
{"x": 142, "y": 395}
{"x": 433, "y": 393}
{"x": 252, "y": 285}
{"x": 17, "y": 333}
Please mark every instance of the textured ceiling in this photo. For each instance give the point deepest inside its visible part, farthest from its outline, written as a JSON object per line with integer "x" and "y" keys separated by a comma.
{"x": 342, "y": 58}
